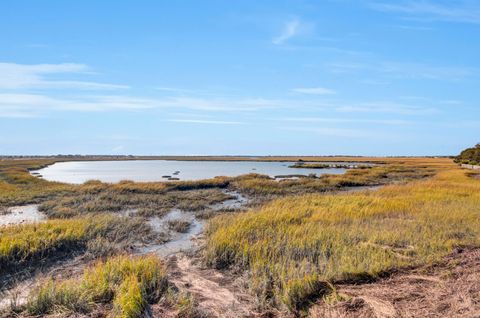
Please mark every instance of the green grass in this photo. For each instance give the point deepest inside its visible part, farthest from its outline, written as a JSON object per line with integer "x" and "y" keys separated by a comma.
{"x": 127, "y": 283}
{"x": 29, "y": 243}
{"x": 295, "y": 246}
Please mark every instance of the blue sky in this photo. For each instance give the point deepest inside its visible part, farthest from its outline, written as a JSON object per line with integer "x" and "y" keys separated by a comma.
{"x": 246, "y": 77}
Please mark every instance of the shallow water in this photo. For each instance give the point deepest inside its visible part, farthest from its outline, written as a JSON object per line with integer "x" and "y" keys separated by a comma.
{"x": 22, "y": 214}
{"x": 185, "y": 241}
{"x": 179, "y": 241}
{"x": 160, "y": 170}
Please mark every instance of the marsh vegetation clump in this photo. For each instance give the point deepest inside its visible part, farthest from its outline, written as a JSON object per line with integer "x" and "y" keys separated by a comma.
{"x": 210, "y": 213}
{"x": 179, "y": 225}
{"x": 115, "y": 199}
{"x": 310, "y": 165}
{"x": 294, "y": 247}
{"x": 4, "y": 210}
{"x": 25, "y": 244}
{"x": 124, "y": 285}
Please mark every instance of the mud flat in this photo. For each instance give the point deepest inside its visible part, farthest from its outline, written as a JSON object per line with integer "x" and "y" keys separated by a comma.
{"x": 21, "y": 214}
{"x": 182, "y": 242}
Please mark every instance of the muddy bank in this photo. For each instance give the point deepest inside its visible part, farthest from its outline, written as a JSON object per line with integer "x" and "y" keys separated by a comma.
{"x": 182, "y": 242}
{"x": 178, "y": 241}
{"x": 21, "y": 214}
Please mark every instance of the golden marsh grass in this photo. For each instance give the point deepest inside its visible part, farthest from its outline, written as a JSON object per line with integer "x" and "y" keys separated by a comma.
{"x": 296, "y": 246}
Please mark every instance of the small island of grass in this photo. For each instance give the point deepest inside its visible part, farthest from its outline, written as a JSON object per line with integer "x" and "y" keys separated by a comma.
{"x": 305, "y": 165}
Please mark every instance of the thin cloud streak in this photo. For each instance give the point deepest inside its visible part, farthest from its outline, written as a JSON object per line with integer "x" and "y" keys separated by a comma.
{"x": 314, "y": 91}
{"x": 208, "y": 122}
{"x": 333, "y": 132}
{"x": 403, "y": 70}
{"x": 37, "y": 104}
{"x": 35, "y": 76}
{"x": 461, "y": 11}
{"x": 344, "y": 120}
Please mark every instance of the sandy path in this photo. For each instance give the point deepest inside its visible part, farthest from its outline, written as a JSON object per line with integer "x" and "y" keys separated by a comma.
{"x": 215, "y": 292}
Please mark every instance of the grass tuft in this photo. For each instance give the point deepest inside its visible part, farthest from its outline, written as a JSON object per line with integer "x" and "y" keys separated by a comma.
{"x": 129, "y": 283}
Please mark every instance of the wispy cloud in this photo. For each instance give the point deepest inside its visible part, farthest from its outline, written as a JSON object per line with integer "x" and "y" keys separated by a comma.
{"x": 26, "y": 104}
{"x": 36, "y": 76}
{"x": 220, "y": 104}
{"x": 343, "y": 120}
{"x": 31, "y": 105}
{"x": 290, "y": 29}
{"x": 402, "y": 70}
{"x": 207, "y": 122}
{"x": 453, "y": 11}
{"x": 384, "y": 107}
{"x": 314, "y": 91}
{"x": 176, "y": 90}
{"x": 332, "y": 132}
{"x": 417, "y": 70}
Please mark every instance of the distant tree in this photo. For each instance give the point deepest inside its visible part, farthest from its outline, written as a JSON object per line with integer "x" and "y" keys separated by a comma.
{"x": 469, "y": 156}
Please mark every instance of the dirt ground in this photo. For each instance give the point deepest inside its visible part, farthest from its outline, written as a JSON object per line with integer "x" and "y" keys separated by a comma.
{"x": 450, "y": 288}
{"x": 217, "y": 293}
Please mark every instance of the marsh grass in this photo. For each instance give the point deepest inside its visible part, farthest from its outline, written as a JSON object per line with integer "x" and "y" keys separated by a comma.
{"x": 179, "y": 225}
{"x": 187, "y": 307}
{"x": 4, "y": 211}
{"x": 18, "y": 187}
{"x": 127, "y": 283}
{"x": 329, "y": 165}
{"x": 30, "y": 243}
{"x": 112, "y": 199}
{"x": 295, "y": 246}
{"x": 209, "y": 213}
{"x": 257, "y": 185}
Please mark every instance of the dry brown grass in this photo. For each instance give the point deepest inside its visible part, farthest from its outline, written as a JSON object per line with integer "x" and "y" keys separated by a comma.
{"x": 449, "y": 288}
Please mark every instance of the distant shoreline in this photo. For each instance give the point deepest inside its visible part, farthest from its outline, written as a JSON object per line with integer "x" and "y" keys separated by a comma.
{"x": 366, "y": 159}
